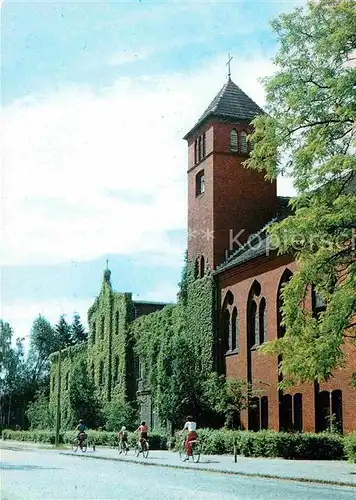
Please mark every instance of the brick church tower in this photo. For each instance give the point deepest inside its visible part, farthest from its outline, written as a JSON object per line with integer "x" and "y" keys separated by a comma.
{"x": 226, "y": 202}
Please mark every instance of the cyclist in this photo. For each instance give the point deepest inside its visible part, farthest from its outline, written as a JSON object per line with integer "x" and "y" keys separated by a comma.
{"x": 123, "y": 437}
{"x": 143, "y": 433}
{"x": 81, "y": 427}
{"x": 190, "y": 426}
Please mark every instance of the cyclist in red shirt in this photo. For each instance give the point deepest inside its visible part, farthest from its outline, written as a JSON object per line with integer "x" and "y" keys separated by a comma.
{"x": 143, "y": 432}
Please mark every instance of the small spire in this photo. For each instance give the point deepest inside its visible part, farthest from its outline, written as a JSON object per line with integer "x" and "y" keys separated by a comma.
{"x": 228, "y": 64}
{"x": 107, "y": 273}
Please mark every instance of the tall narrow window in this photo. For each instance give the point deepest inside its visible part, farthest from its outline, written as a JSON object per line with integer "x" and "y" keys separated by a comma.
{"x": 243, "y": 142}
{"x": 199, "y": 183}
{"x": 93, "y": 332}
{"x": 233, "y": 141}
{"x": 252, "y": 325}
{"x": 101, "y": 374}
{"x": 67, "y": 381}
{"x": 203, "y": 146}
{"x": 102, "y": 326}
{"x": 196, "y": 151}
{"x": 199, "y": 148}
{"x": 202, "y": 267}
{"x": 117, "y": 318}
{"x": 234, "y": 329}
{"x": 262, "y": 321}
{"x": 318, "y": 303}
{"x": 197, "y": 268}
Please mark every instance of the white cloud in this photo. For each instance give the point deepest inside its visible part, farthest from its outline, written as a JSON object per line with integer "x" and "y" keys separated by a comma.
{"x": 87, "y": 173}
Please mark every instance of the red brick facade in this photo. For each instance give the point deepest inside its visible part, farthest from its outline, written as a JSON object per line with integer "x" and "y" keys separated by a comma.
{"x": 236, "y": 199}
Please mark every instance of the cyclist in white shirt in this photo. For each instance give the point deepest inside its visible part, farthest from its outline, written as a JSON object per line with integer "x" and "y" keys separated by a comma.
{"x": 191, "y": 427}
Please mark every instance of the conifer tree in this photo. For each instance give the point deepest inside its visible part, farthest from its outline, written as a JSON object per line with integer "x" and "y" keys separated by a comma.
{"x": 63, "y": 331}
{"x": 78, "y": 331}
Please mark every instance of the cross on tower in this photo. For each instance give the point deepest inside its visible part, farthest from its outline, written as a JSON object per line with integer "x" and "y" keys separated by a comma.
{"x": 228, "y": 64}
{"x": 107, "y": 263}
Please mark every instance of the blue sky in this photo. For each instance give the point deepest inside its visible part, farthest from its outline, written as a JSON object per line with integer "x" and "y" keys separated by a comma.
{"x": 96, "y": 98}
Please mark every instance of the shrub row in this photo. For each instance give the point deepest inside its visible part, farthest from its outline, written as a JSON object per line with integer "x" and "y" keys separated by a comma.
{"x": 302, "y": 446}
{"x": 350, "y": 446}
{"x": 99, "y": 438}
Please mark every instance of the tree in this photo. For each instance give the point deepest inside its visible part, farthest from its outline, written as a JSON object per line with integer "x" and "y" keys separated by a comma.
{"x": 44, "y": 340}
{"x": 229, "y": 397}
{"x": 63, "y": 332}
{"x": 78, "y": 332}
{"x": 39, "y": 412}
{"x": 5, "y": 343}
{"x": 311, "y": 117}
{"x": 14, "y": 379}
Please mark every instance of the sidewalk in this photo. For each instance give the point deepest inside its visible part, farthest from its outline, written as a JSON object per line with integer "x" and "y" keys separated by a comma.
{"x": 328, "y": 472}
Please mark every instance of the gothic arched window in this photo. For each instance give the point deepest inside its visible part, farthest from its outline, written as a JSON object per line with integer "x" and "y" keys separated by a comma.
{"x": 234, "y": 331}
{"x": 233, "y": 141}
{"x": 262, "y": 321}
{"x": 286, "y": 276}
{"x": 253, "y": 317}
{"x": 243, "y": 142}
{"x": 229, "y": 316}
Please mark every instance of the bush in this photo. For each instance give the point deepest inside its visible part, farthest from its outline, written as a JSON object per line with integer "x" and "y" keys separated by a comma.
{"x": 350, "y": 446}
{"x": 39, "y": 412}
{"x": 297, "y": 446}
{"x": 157, "y": 441}
{"x": 37, "y": 436}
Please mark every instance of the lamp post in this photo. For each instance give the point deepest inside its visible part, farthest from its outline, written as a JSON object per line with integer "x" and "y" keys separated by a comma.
{"x": 58, "y": 408}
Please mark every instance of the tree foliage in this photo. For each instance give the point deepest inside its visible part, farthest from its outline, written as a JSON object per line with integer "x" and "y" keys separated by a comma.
{"x": 63, "y": 332}
{"x": 78, "y": 332}
{"x": 309, "y": 134}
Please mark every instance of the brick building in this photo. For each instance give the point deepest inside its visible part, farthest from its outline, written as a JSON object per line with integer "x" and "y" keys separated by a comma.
{"x": 227, "y": 204}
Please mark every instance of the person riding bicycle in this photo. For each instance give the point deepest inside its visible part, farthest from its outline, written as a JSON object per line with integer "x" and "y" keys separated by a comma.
{"x": 190, "y": 426}
{"x": 123, "y": 436}
{"x": 81, "y": 427}
{"x": 143, "y": 433}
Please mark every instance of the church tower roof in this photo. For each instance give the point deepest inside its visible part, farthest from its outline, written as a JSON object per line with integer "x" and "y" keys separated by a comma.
{"x": 231, "y": 104}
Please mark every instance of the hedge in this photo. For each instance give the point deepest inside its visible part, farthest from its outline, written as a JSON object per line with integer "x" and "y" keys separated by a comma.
{"x": 299, "y": 446}
{"x": 100, "y": 438}
{"x": 350, "y": 446}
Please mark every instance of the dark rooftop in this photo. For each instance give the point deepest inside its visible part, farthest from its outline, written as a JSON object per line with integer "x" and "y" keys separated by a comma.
{"x": 230, "y": 103}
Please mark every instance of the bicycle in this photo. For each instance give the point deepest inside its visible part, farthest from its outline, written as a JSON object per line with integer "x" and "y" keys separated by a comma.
{"x": 195, "y": 451}
{"x": 123, "y": 447}
{"x": 80, "y": 442}
{"x": 142, "y": 447}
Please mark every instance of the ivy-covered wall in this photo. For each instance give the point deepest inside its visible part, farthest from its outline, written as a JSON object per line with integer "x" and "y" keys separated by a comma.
{"x": 160, "y": 359}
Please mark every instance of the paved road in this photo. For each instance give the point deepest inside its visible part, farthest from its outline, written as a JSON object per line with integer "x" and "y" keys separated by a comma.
{"x": 44, "y": 474}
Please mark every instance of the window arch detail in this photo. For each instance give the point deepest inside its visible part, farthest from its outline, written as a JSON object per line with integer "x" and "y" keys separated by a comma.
{"x": 229, "y": 324}
{"x": 256, "y": 317}
{"x": 233, "y": 141}
{"x": 243, "y": 142}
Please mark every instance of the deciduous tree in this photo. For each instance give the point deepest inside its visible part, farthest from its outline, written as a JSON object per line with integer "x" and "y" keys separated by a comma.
{"x": 309, "y": 134}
